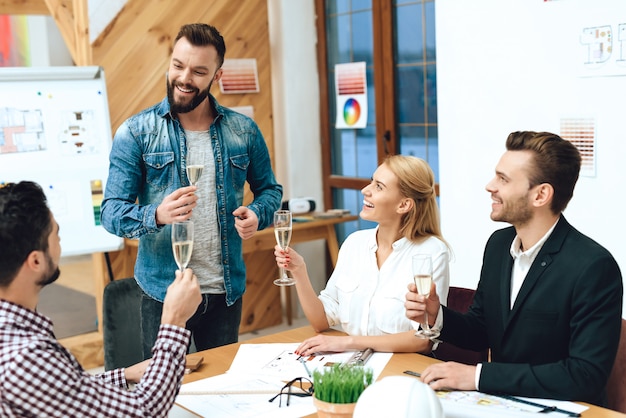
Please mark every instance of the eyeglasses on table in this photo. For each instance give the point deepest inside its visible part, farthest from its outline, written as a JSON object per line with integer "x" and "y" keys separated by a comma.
{"x": 300, "y": 387}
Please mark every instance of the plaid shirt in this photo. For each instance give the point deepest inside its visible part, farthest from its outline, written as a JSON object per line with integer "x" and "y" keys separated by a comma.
{"x": 40, "y": 378}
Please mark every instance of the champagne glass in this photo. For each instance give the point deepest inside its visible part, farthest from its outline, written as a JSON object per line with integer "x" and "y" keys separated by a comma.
{"x": 182, "y": 243}
{"x": 423, "y": 276}
{"x": 282, "y": 230}
{"x": 195, "y": 164}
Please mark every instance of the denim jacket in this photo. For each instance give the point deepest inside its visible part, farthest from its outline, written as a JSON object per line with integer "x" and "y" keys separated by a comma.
{"x": 147, "y": 163}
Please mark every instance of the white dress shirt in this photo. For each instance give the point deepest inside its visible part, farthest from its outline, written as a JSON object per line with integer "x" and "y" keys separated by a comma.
{"x": 367, "y": 301}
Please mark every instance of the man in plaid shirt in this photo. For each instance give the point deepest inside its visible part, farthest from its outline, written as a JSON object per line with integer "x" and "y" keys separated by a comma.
{"x": 40, "y": 378}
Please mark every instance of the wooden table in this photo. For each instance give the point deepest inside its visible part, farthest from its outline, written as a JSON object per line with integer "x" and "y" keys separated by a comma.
{"x": 218, "y": 360}
{"x": 262, "y": 306}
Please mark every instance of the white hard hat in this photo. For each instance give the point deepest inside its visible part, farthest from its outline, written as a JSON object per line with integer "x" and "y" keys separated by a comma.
{"x": 398, "y": 397}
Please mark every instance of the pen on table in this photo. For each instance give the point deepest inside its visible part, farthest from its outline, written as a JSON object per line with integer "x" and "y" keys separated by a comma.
{"x": 560, "y": 411}
{"x": 412, "y": 373}
{"x": 545, "y": 409}
{"x": 303, "y": 361}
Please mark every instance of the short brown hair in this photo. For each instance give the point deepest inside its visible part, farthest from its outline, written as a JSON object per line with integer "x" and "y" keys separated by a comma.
{"x": 556, "y": 162}
{"x": 201, "y": 34}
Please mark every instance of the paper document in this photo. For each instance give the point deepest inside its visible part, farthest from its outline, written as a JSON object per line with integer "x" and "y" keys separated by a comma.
{"x": 246, "y": 406}
{"x": 233, "y": 384}
{"x": 240, "y": 395}
{"x": 280, "y": 360}
{"x": 258, "y": 372}
{"x": 467, "y": 404}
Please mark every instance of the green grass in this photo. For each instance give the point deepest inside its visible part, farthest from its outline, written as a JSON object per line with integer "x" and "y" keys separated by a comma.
{"x": 341, "y": 384}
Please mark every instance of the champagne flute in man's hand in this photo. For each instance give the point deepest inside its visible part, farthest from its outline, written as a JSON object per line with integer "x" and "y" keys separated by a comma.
{"x": 195, "y": 164}
{"x": 182, "y": 243}
{"x": 423, "y": 276}
{"x": 282, "y": 230}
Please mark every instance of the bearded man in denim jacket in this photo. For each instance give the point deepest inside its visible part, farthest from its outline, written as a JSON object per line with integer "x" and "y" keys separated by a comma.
{"x": 148, "y": 190}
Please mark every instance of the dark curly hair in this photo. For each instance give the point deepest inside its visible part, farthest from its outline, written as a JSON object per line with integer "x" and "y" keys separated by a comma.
{"x": 25, "y": 224}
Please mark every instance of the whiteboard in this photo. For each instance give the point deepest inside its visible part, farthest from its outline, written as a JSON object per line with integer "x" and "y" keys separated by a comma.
{"x": 55, "y": 130}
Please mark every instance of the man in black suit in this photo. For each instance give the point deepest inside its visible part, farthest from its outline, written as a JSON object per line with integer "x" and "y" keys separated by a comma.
{"x": 549, "y": 300}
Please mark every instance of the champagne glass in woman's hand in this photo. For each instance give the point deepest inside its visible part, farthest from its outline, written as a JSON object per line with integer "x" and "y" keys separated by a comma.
{"x": 182, "y": 243}
{"x": 423, "y": 276}
{"x": 282, "y": 230}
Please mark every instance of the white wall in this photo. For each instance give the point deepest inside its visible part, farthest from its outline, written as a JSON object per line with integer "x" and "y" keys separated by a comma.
{"x": 295, "y": 93}
{"x": 101, "y": 13}
{"x": 507, "y": 65}
{"x": 47, "y": 47}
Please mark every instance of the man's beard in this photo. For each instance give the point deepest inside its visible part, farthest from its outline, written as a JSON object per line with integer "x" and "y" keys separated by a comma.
{"x": 517, "y": 212}
{"x": 52, "y": 273}
{"x": 186, "y": 107}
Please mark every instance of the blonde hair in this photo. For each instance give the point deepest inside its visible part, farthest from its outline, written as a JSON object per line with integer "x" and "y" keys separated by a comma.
{"x": 417, "y": 182}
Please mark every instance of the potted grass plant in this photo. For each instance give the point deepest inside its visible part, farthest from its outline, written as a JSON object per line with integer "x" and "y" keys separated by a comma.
{"x": 337, "y": 389}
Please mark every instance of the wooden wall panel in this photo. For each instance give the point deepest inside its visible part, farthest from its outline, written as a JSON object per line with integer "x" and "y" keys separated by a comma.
{"x": 26, "y": 7}
{"x": 135, "y": 49}
{"x": 261, "y": 305}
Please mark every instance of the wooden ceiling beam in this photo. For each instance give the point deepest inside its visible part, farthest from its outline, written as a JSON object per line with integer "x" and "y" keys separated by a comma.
{"x": 23, "y": 7}
{"x": 83, "y": 52}
{"x": 72, "y": 19}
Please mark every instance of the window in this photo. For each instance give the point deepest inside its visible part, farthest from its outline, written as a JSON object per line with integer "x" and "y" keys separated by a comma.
{"x": 396, "y": 40}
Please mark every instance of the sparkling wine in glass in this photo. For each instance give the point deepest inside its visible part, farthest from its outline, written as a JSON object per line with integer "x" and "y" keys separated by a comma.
{"x": 182, "y": 243}
{"x": 195, "y": 164}
{"x": 423, "y": 276}
{"x": 282, "y": 230}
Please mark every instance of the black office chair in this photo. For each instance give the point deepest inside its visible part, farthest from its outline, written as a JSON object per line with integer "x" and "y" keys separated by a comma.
{"x": 121, "y": 324}
{"x": 460, "y": 299}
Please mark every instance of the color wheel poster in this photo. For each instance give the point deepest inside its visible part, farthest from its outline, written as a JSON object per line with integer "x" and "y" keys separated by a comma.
{"x": 351, "y": 84}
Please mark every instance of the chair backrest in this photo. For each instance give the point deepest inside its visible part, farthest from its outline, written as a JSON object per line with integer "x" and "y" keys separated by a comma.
{"x": 616, "y": 386}
{"x": 121, "y": 324}
{"x": 460, "y": 299}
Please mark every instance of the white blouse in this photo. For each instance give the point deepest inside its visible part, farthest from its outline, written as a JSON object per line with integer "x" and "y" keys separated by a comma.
{"x": 369, "y": 301}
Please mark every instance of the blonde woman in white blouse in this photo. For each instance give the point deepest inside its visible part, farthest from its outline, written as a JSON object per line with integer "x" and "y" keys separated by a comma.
{"x": 365, "y": 295}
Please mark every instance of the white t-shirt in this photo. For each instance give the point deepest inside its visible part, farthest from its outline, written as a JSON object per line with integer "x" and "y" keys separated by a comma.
{"x": 367, "y": 301}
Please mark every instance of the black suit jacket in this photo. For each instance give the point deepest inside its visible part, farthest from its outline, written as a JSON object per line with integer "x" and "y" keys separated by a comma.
{"x": 560, "y": 339}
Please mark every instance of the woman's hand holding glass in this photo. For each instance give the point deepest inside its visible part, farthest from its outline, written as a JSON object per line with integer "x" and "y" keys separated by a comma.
{"x": 282, "y": 231}
{"x": 288, "y": 259}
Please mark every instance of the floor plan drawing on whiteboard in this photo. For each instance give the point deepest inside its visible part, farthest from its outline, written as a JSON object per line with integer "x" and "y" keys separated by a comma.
{"x": 24, "y": 131}
{"x": 21, "y": 130}
{"x": 77, "y": 132}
